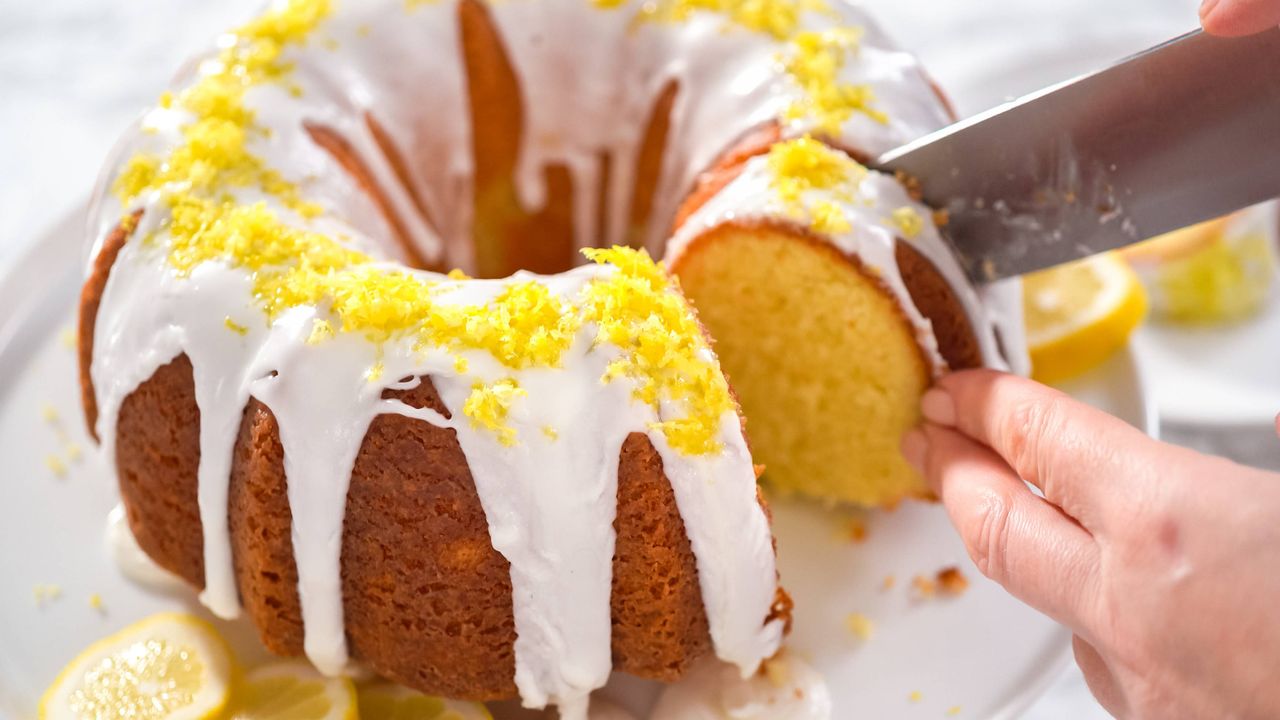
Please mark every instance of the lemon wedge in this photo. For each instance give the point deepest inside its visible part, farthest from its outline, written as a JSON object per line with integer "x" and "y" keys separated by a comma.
{"x": 1079, "y": 314}
{"x": 293, "y": 691}
{"x": 385, "y": 701}
{"x": 169, "y": 666}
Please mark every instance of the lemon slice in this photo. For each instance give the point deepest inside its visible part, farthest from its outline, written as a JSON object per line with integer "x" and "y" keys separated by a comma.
{"x": 169, "y": 666}
{"x": 1079, "y": 314}
{"x": 393, "y": 702}
{"x": 293, "y": 691}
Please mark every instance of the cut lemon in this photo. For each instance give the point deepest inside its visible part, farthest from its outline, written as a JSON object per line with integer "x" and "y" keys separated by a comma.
{"x": 385, "y": 701}
{"x": 1079, "y": 314}
{"x": 170, "y": 666}
{"x": 293, "y": 691}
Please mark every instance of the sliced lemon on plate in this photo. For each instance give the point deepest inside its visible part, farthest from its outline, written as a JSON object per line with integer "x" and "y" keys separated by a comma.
{"x": 1079, "y": 314}
{"x": 169, "y": 666}
{"x": 293, "y": 691}
{"x": 385, "y": 701}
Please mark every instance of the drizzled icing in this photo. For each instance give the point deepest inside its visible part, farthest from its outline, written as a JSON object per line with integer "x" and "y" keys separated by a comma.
{"x": 264, "y": 262}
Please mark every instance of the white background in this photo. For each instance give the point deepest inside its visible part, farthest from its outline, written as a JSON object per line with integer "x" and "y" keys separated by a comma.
{"x": 73, "y": 74}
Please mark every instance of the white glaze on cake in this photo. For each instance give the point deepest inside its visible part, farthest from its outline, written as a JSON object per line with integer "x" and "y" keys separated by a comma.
{"x": 550, "y": 505}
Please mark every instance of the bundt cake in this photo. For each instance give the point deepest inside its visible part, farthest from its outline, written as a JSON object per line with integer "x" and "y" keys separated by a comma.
{"x": 486, "y": 488}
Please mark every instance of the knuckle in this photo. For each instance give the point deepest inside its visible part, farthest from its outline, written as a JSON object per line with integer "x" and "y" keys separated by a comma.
{"x": 1029, "y": 428}
{"x": 989, "y": 546}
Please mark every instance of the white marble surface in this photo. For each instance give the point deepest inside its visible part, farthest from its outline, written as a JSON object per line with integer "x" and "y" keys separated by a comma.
{"x": 74, "y": 73}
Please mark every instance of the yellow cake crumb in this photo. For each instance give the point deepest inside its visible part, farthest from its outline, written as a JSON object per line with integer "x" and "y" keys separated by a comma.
{"x": 777, "y": 671}
{"x": 855, "y": 529}
{"x": 888, "y": 583}
{"x": 95, "y": 601}
{"x": 951, "y": 581}
{"x": 860, "y": 625}
{"x": 55, "y": 465}
{"x": 68, "y": 338}
{"x": 49, "y": 413}
{"x": 915, "y": 696}
{"x": 460, "y": 365}
{"x": 953, "y": 711}
{"x": 923, "y": 587}
{"x": 375, "y": 372}
{"x": 45, "y": 594}
{"x": 321, "y": 330}
{"x": 457, "y": 274}
{"x": 74, "y": 453}
{"x": 551, "y": 433}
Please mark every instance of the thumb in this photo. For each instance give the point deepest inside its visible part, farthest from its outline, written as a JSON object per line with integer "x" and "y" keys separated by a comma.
{"x": 1233, "y": 18}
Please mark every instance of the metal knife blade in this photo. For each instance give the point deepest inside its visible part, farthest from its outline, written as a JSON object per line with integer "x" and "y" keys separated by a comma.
{"x": 1182, "y": 133}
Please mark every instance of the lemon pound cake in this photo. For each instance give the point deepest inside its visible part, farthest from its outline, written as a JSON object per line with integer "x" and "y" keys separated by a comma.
{"x": 487, "y": 488}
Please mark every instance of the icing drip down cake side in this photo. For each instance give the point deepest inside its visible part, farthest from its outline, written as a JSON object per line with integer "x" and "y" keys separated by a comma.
{"x": 515, "y": 483}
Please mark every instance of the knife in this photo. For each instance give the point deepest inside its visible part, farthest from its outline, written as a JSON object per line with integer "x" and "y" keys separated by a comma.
{"x": 1184, "y": 132}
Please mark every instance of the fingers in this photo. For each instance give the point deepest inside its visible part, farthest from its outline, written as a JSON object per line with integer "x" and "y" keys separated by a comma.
{"x": 1233, "y": 18}
{"x": 1098, "y": 675}
{"x": 1017, "y": 539}
{"x": 1075, "y": 454}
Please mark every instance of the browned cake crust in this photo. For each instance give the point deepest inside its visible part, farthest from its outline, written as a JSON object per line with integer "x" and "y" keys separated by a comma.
{"x": 427, "y": 599}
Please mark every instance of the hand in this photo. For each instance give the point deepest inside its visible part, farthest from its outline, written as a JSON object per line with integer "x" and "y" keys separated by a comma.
{"x": 1164, "y": 563}
{"x": 1239, "y": 17}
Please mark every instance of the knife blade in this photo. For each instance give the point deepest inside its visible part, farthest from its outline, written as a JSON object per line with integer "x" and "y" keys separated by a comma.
{"x": 1181, "y": 133}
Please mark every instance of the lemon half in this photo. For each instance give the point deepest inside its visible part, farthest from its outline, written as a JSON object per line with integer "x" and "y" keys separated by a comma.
{"x": 1079, "y": 314}
{"x": 170, "y": 666}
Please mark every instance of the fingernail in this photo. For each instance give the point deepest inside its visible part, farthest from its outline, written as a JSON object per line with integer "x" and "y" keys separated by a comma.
{"x": 938, "y": 407}
{"x": 1207, "y": 7}
{"x": 914, "y": 448}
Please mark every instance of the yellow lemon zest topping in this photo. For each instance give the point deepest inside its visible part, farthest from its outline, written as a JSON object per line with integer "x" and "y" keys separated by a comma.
{"x": 663, "y": 349}
{"x": 814, "y": 63}
{"x": 908, "y": 221}
{"x": 797, "y": 167}
{"x": 489, "y": 405}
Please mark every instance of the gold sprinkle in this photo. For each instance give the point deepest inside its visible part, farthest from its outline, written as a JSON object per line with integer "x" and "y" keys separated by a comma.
{"x": 888, "y": 583}
{"x": 856, "y": 529}
{"x": 860, "y": 625}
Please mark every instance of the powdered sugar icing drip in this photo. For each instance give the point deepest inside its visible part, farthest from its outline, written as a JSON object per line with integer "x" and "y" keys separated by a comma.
{"x": 256, "y": 254}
